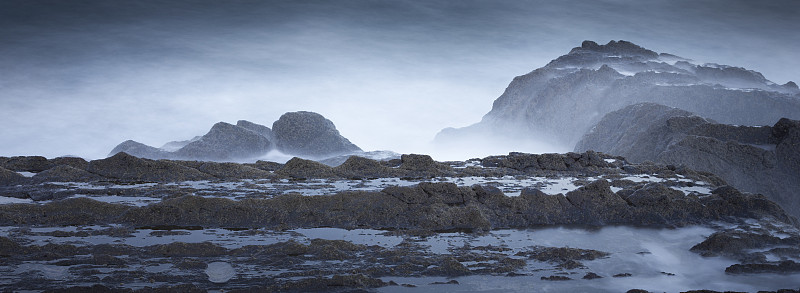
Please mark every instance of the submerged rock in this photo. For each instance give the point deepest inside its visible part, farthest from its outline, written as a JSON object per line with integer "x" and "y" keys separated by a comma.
{"x": 220, "y": 272}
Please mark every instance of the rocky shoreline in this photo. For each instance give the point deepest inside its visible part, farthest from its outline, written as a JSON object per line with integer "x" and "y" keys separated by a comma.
{"x": 73, "y": 223}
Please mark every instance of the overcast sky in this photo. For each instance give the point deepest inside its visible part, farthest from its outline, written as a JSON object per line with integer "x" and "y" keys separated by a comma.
{"x": 79, "y": 77}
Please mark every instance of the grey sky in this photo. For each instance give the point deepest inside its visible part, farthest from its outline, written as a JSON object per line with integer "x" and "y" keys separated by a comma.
{"x": 79, "y": 77}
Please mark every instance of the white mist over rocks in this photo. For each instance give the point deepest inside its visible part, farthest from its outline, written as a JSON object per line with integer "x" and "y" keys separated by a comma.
{"x": 79, "y": 77}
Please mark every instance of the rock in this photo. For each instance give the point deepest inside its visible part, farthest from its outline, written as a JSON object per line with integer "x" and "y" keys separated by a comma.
{"x": 265, "y": 165}
{"x": 556, "y": 278}
{"x": 8, "y": 177}
{"x": 257, "y": 128}
{"x": 552, "y": 162}
{"x": 592, "y": 276}
{"x": 226, "y": 142}
{"x": 33, "y": 164}
{"x": 758, "y": 159}
{"x": 451, "y": 282}
{"x": 232, "y": 171}
{"x": 599, "y": 204}
{"x": 310, "y": 134}
{"x": 783, "y": 267}
{"x": 656, "y": 203}
{"x": 140, "y": 150}
{"x": 562, "y": 254}
{"x": 560, "y": 102}
{"x": 123, "y": 166}
{"x": 639, "y": 132}
{"x": 362, "y": 168}
{"x": 372, "y": 155}
{"x": 176, "y": 145}
{"x": 220, "y": 272}
{"x": 622, "y": 275}
{"x": 65, "y": 173}
{"x": 415, "y": 165}
{"x": 782, "y": 128}
{"x": 76, "y": 162}
{"x": 449, "y": 267}
{"x": 305, "y": 169}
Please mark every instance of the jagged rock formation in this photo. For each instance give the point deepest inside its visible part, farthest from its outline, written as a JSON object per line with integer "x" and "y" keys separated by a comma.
{"x": 759, "y": 159}
{"x": 559, "y": 102}
{"x": 226, "y": 142}
{"x": 305, "y": 134}
{"x": 310, "y": 134}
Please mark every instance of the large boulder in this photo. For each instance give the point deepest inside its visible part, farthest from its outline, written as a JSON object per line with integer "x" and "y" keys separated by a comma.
{"x": 226, "y": 142}
{"x": 758, "y": 159}
{"x": 125, "y": 167}
{"x": 310, "y": 134}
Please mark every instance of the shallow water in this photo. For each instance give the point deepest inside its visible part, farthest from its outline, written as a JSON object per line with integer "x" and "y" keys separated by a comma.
{"x": 657, "y": 259}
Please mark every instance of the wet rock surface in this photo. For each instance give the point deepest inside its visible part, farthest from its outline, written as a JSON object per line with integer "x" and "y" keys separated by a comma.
{"x": 134, "y": 224}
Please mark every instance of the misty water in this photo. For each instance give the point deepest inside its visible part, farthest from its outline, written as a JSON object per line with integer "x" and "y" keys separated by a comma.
{"x": 657, "y": 260}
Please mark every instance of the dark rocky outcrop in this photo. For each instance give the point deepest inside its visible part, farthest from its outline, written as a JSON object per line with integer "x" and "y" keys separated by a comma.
{"x": 414, "y": 165}
{"x": 760, "y": 159}
{"x": 305, "y": 169}
{"x": 232, "y": 171}
{"x": 558, "y": 103}
{"x": 125, "y": 167}
{"x": 8, "y": 177}
{"x": 65, "y": 173}
{"x": 310, "y": 134}
{"x": 76, "y": 162}
{"x": 33, "y": 164}
{"x": 362, "y": 168}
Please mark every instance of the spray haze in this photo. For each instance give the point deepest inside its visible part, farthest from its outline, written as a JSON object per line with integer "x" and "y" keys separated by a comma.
{"x": 79, "y": 77}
